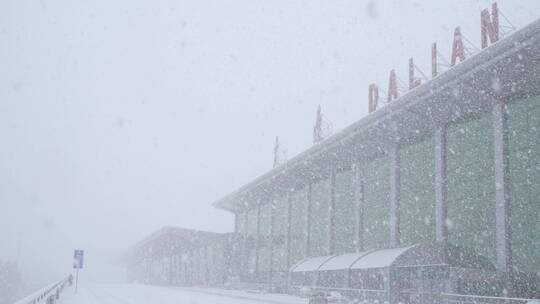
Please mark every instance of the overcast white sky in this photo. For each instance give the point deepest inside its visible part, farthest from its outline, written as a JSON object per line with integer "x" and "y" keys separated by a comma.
{"x": 119, "y": 117}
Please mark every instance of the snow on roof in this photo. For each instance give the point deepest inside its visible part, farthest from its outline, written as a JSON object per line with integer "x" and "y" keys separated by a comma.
{"x": 343, "y": 261}
{"x": 311, "y": 264}
{"x": 380, "y": 258}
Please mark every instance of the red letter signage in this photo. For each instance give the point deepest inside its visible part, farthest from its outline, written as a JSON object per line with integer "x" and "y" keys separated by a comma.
{"x": 458, "y": 50}
{"x": 392, "y": 86}
{"x": 373, "y": 97}
{"x": 434, "y": 60}
{"x": 413, "y": 82}
{"x": 489, "y": 25}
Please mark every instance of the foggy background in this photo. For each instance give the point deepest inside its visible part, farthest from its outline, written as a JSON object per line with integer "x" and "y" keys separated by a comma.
{"x": 120, "y": 117}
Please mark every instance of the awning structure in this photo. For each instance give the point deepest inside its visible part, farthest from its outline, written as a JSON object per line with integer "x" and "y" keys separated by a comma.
{"x": 419, "y": 254}
{"x": 379, "y": 258}
{"x": 311, "y": 264}
{"x": 343, "y": 261}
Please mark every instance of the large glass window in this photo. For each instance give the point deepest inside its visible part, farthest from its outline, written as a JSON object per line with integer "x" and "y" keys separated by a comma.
{"x": 524, "y": 149}
{"x": 320, "y": 218}
{"x": 376, "y": 204}
{"x": 417, "y": 192}
{"x": 240, "y": 222}
{"x": 264, "y": 248}
{"x": 471, "y": 185}
{"x": 251, "y": 241}
{"x": 280, "y": 222}
{"x": 345, "y": 212}
{"x": 299, "y": 206}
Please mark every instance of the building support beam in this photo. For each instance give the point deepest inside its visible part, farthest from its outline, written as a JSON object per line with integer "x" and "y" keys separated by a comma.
{"x": 395, "y": 185}
{"x": 502, "y": 189}
{"x": 332, "y": 214}
{"x": 271, "y": 242}
{"x": 308, "y": 221}
{"x": 243, "y": 262}
{"x": 288, "y": 236}
{"x": 358, "y": 184}
{"x": 441, "y": 185}
{"x": 257, "y": 242}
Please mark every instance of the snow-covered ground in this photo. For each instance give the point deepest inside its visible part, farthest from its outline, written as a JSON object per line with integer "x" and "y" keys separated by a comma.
{"x": 144, "y": 294}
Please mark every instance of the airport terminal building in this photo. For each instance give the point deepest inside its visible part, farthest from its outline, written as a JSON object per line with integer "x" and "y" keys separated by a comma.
{"x": 448, "y": 172}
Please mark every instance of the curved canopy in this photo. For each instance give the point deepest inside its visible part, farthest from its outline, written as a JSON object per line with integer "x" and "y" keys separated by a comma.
{"x": 419, "y": 254}
{"x": 379, "y": 258}
{"x": 311, "y": 264}
{"x": 343, "y": 261}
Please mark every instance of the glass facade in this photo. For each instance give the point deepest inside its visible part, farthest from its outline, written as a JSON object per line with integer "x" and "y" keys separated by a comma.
{"x": 320, "y": 218}
{"x": 264, "y": 249}
{"x": 279, "y": 237}
{"x": 524, "y": 162}
{"x": 471, "y": 185}
{"x": 299, "y": 207}
{"x": 240, "y": 223}
{"x": 250, "y": 242}
{"x": 375, "y": 214}
{"x": 471, "y": 200}
{"x": 417, "y": 192}
{"x": 345, "y": 213}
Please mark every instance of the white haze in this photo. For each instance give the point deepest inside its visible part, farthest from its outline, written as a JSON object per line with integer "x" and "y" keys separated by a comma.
{"x": 119, "y": 117}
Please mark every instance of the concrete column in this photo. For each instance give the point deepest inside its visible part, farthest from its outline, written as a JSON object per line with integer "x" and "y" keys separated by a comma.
{"x": 288, "y": 237}
{"x": 358, "y": 184}
{"x": 243, "y": 263}
{"x": 257, "y": 238}
{"x": 502, "y": 189}
{"x": 308, "y": 226}
{"x": 395, "y": 185}
{"x": 332, "y": 214}
{"x": 171, "y": 269}
{"x": 236, "y": 221}
{"x": 271, "y": 244}
{"x": 441, "y": 186}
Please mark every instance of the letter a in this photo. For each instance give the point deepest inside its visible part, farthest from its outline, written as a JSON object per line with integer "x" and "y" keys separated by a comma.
{"x": 458, "y": 50}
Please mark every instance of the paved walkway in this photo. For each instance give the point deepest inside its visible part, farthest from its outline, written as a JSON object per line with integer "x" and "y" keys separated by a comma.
{"x": 144, "y": 294}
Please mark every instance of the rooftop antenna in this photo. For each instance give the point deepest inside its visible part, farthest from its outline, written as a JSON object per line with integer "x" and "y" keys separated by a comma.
{"x": 322, "y": 128}
{"x": 280, "y": 153}
{"x": 317, "y": 128}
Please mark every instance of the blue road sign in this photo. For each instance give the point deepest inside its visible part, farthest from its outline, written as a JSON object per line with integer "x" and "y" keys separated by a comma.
{"x": 78, "y": 258}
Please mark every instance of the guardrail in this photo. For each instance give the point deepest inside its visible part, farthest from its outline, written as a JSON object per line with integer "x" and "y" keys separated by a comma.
{"x": 448, "y": 298}
{"x": 342, "y": 295}
{"x": 48, "y": 294}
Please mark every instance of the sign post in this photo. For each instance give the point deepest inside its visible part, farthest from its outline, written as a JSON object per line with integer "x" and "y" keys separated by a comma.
{"x": 78, "y": 258}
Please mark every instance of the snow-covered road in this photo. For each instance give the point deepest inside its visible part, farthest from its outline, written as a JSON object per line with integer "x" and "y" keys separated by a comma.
{"x": 144, "y": 294}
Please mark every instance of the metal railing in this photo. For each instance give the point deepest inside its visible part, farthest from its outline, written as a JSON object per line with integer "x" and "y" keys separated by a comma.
{"x": 343, "y": 295}
{"x": 48, "y": 294}
{"x": 449, "y": 298}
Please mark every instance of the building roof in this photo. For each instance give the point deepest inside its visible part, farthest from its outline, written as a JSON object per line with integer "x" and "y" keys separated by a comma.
{"x": 464, "y": 90}
{"x": 168, "y": 240}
